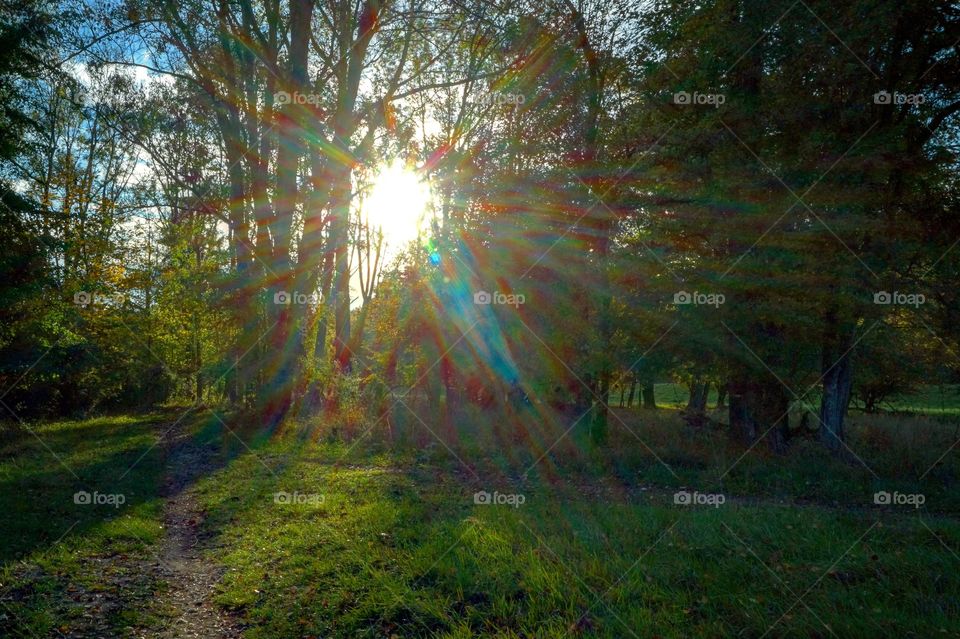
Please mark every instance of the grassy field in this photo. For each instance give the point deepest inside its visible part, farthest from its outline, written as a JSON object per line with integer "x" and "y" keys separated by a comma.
{"x": 63, "y": 560}
{"x": 319, "y": 537}
{"x": 930, "y": 400}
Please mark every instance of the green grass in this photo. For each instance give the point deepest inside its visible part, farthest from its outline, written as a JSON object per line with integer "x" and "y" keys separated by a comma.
{"x": 927, "y": 400}
{"x": 671, "y": 395}
{"x": 930, "y": 400}
{"x": 57, "y": 555}
{"x": 399, "y": 548}
{"x": 391, "y": 542}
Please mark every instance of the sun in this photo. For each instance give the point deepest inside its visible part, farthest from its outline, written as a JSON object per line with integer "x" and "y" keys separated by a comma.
{"x": 398, "y": 204}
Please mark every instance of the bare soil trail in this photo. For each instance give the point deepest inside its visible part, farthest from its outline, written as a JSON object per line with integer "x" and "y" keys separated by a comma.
{"x": 183, "y": 562}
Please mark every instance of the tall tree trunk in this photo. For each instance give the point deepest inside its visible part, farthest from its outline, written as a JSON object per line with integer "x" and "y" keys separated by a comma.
{"x": 287, "y": 332}
{"x": 339, "y": 237}
{"x": 697, "y": 402}
{"x": 326, "y": 284}
{"x": 837, "y": 384}
{"x": 238, "y": 377}
{"x": 759, "y": 408}
{"x": 353, "y": 52}
{"x": 649, "y": 398}
{"x": 702, "y": 396}
{"x": 633, "y": 391}
{"x": 598, "y": 426}
{"x": 742, "y": 427}
{"x": 314, "y": 269}
{"x": 721, "y": 396}
{"x": 599, "y": 221}
{"x": 197, "y": 360}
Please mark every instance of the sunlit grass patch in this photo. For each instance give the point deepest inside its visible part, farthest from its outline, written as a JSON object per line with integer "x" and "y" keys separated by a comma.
{"x": 405, "y": 549}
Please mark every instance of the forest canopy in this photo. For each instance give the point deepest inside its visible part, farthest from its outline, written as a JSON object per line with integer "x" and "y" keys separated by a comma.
{"x": 293, "y": 207}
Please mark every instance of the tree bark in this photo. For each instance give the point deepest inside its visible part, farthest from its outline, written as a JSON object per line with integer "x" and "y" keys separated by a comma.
{"x": 837, "y": 385}
{"x": 600, "y": 221}
{"x": 697, "y": 403}
{"x": 702, "y": 398}
{"x": 649, "y": 399}
{"x": 354, "y": 51}
{"x": 287, "y": 333}
{"x": 339, "y": 236}
{"x": 759, "y": 409}
{"x": 238, "y": 377}
{"x": 721, "y": 396}
{"x": 742, "y": 426}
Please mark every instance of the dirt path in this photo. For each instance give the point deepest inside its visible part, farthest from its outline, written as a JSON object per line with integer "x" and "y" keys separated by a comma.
{"x": 182, "y": 564}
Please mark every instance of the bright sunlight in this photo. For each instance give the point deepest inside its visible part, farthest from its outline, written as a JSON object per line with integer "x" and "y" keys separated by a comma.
{"x": 398, "y": 203}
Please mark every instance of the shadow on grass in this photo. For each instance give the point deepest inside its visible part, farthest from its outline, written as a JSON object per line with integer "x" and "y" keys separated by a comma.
{"x": 83, "y": 507}
{"x": 387, "y": 537}
{"x": 390, "y": 538}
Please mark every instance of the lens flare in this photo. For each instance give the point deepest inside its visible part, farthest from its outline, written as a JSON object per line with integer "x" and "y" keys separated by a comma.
{"x": 398, "y": 204}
